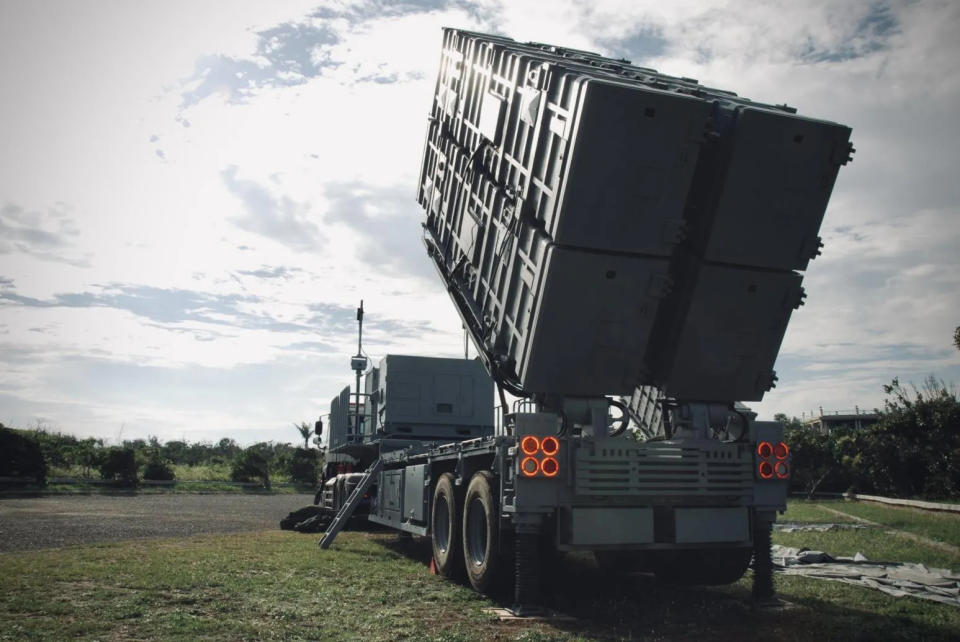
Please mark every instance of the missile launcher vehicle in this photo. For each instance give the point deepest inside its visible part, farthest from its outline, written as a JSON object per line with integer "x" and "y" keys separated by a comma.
{"x": 625, "y": 249}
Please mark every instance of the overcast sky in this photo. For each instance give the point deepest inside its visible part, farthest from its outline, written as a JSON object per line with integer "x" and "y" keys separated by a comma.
{"x": 195, "y": 196}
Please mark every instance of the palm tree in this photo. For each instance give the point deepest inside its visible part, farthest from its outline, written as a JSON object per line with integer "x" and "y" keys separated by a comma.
{"x": 305, "y": 432}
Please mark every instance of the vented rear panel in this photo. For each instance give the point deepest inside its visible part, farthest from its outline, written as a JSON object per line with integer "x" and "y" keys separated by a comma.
{"x": 584, "y": 212}
{"x": 664, "y": 469}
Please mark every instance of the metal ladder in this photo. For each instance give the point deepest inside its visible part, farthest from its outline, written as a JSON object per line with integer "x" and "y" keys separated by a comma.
{"x": 351, "y": 505}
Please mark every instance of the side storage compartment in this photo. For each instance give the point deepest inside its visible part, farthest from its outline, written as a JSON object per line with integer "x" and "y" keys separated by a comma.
{"x": 415, "y": 494}
{"x": 390, "y": 496}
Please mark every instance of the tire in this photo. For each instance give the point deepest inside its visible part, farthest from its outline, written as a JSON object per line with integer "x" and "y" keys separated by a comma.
{"x": 706, "y": 567}
{"x": 299, "y": 515}
{"x": 481, "y": 533}
{"x": 445, "y": 528}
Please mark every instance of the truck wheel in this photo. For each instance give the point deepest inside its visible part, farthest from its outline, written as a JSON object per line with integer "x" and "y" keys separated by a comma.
{"x": 481, "y": 532}
{"x": 445, "y": 528}
{"x": 706, "y": 567}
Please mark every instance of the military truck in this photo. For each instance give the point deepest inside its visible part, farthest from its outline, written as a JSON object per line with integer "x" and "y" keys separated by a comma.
{"x": 625, "y": 249}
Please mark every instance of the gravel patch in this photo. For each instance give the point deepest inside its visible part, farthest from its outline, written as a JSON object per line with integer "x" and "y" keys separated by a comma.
{"x": 65, "y": 520}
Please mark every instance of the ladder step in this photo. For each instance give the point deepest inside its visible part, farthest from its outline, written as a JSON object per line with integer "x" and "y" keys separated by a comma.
{"x": 351, "y": 504}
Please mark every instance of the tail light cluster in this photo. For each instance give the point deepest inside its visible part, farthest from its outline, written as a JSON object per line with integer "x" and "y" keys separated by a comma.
{"x": 772, "y": 460}
{"x": 539, "y": 456}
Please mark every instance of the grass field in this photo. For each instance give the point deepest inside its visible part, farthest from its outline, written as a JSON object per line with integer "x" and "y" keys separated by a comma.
{"x": 943, "y": 527}
{"x": 375, "y": 586}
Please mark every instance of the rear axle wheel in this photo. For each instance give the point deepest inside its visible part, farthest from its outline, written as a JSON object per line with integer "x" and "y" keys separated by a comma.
{"x": 445, "y": 528}
{"x": 481, "y": 532}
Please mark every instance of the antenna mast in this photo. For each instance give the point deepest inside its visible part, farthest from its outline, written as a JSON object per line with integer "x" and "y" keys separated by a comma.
{"x": 358, "y": 364}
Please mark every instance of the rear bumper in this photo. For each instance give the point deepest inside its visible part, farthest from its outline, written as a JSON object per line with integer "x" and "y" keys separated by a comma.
{"x": 625, "y": 527}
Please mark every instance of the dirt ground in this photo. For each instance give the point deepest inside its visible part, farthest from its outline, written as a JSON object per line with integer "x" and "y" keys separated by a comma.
{"x": 64, "y": 520}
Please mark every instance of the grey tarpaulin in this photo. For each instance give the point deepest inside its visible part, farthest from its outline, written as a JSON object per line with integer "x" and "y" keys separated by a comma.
{"x": 898, "y": 579}
{"x": 794, "y": 527}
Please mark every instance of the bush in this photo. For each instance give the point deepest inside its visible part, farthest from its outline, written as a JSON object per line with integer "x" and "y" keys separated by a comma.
{"x": 914, "y": 450}
{"x": 303, "y": 467}
{"x": 21, "y": 456}
{"x": 251, "y": 466}
{"x": 119, "y": 464}
{"x": 915, "y": 447}
{"x": 158, "y": 469}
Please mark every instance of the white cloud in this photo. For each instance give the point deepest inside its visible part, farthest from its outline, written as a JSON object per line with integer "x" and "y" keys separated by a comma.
{"x": 305, "y": 168}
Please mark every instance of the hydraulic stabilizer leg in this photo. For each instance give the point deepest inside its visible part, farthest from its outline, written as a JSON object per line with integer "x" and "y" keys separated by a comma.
{"x": 526, "y": 555}
{"x": 763, "y": 592}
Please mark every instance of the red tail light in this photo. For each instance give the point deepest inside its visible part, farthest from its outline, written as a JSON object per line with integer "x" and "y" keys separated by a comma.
{"x": 781, "y": 450}
{"x": 549, "y": 467}
{"x": 764, "y": 449}
{"x": 540, "y": 456}
{"x": 782, "y": 469}
{"x": 530, "y": 445}
{"x": 766, "y": 470}
{"x": 529, "y": 466}
{"x": 550, "y": 446}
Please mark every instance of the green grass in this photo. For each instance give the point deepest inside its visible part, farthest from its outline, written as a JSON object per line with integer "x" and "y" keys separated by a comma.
{"x": 215, "y": 478}
{"x": 803, "y": 510}
{"x": 943, "y": 527}
{"x": 278, "y": 585}
{"x": 877, "y": 545}
{"x": 209, "y": 472}
{"x": 272, "y": 585}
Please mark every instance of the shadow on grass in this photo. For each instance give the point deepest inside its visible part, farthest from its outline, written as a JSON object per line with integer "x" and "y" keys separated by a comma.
{"x": 636, "y": 605}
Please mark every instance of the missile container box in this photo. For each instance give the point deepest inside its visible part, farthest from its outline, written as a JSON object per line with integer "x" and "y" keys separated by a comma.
{"x": 601, "y": 225}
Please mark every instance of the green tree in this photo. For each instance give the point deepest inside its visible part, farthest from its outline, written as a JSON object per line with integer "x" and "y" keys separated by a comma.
{"x": 251, "y": 465}
{"x": 87, "y": 454}
{"x": 789, "y": 423}
{"x": 119, "y": 464}
{"x": 21, "y": 456}
{"x": 305, "y": 431}
{"x": 915, "y": 447}
{"x": 157, "y": 468}
{"x": 303, "y": 466}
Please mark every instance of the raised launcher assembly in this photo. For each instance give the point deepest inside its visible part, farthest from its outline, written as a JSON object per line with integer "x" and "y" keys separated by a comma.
{"x": 601, "y": 226}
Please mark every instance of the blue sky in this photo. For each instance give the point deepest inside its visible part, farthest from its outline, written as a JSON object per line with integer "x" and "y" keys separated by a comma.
{"x": 195, "y": 196}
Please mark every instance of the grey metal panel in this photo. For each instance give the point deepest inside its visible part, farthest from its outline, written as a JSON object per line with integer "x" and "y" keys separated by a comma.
{"x": 391, "y": 490}
{"x": 610, "y": 526}
{"x": 596, "y": 346}
{"x": 630, "y": 165}
{"x": 710, "y": 525}
{"x": 535, "y": 153}
{"x": 539, "y": 492}
{"x": 340, "y": 429}
{"x": 618, "y": 467}
{"x": 777, "y": 185}
{"x": 426, "y": 396}
{"x": 769, "y": 493}
{"x": 730, "y": 337}
{"x": 393, "y": 521}
{"x": 414, "y": 493}
{"x": 371, "y": 384}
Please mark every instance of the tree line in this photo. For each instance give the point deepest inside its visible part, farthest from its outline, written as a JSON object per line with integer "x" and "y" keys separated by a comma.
{"x": 912, "y": 451}
{"x": 35, "y": 453}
